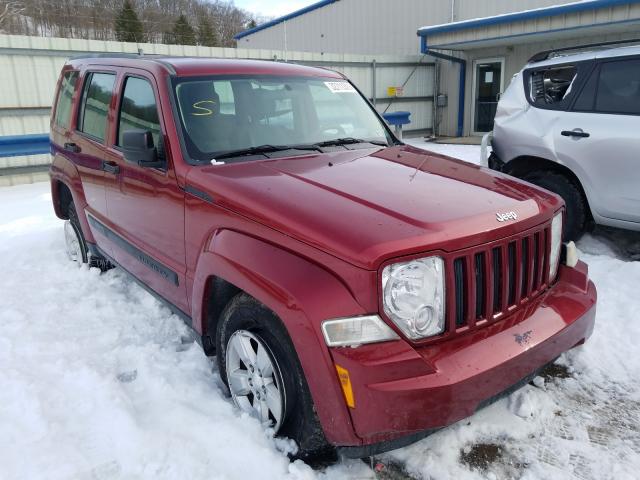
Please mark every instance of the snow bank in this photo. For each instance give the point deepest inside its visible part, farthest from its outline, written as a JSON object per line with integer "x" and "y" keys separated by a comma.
{"x": 468, "y": 153}
{"x": 98, "y": 380}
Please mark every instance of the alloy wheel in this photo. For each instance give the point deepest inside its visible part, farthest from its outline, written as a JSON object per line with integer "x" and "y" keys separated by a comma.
{"x": 73, "y": 242}
{"x": 254, "y": 378}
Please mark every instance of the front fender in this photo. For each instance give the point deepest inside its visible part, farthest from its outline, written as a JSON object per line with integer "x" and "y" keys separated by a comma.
{"x": 302, "y": 294}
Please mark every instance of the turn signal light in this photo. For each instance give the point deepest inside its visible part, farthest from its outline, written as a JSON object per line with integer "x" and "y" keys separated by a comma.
{"x": 345, "y": 383}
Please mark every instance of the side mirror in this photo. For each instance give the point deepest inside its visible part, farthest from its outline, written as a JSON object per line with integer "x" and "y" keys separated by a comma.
{"x": 138, "y": 148}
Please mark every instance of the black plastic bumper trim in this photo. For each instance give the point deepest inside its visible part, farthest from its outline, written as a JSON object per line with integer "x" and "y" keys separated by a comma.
{"x": 131, "y": 249}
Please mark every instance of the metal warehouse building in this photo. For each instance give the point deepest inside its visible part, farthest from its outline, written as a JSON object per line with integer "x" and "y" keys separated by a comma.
{"x": 478, "y": 45}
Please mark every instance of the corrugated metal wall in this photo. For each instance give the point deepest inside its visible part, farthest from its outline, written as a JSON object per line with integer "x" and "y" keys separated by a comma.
{"x": 615, "y": 17}
{"x": 29, "y": 68}
{"x": 388, "y": 26}
{"x": 376, "y": 26}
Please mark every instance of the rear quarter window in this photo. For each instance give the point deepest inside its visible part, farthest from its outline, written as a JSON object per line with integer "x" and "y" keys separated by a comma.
{"x": 552, "y": 87}
{"x": 65, "y": 94}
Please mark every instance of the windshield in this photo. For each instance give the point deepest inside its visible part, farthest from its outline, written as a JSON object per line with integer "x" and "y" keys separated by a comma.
{"x": 222, "y": 114}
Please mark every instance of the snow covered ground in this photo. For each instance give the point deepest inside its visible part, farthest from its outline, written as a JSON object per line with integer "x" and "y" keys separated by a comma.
{"x": 99, "y": 381}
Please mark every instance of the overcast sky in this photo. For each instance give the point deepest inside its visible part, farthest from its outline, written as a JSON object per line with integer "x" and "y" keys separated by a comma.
{"x": 272, "y": 8}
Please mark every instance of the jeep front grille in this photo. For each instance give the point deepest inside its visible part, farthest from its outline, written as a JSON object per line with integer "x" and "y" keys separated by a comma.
{"x": 489, "y": 281}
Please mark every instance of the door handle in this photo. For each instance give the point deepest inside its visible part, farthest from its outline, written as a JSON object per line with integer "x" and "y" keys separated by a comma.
{"x": 577, "y": 133}
{"x": 72, "y": 147}
{"x": 110, "y": 167}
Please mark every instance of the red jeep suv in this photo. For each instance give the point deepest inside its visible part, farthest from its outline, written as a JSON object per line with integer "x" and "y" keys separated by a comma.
{"x": 359, "y": 293}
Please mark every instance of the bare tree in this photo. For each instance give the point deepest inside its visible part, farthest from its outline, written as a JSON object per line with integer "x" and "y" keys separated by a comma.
{"x": 8, "y": 10}
{"x": 95, "y": 19}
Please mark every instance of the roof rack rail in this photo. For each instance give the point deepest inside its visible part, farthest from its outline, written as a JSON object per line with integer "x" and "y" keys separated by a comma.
{"x": 116, "y": 55}
{"x": 541, "y": 56}
{"x": 154, "y": 57}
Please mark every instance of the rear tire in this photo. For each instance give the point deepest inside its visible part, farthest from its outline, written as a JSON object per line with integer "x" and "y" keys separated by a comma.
{"x": 74, "y": 238}
{"x": 299, "y": 421}
{"x": 577, "y": 211}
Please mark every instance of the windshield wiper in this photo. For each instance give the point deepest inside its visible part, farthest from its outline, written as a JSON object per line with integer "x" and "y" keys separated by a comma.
{"x": 262, "y": 149}
{"x": 348, "y": 141}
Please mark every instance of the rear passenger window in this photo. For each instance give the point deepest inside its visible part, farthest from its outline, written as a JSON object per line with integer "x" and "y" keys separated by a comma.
{"x": 96, "y": 97}
{"x": 550, "y": 88}
{"x": 63, "y": 106}
{"x": 619, "y": 88}
{"x": 138, "y": 109}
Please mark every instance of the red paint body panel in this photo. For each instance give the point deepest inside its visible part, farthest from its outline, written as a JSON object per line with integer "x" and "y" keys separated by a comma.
{"x": 400, "y": 389}
{"x": 366, "y": 208}
{"x": 308, "y": 237}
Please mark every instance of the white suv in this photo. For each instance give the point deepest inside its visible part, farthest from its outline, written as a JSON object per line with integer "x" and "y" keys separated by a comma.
{"x": 571, "y": 123}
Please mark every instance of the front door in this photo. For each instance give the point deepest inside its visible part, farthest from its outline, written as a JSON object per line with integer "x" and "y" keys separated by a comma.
{"x": 487, "y": 87}
{"x": 145, "y": 205}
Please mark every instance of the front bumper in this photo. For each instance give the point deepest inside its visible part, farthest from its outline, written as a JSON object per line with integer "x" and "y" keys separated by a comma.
{"x": 403, "y": 392}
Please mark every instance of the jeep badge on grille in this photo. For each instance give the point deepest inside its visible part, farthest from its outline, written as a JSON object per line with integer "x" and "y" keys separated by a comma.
{"x": 503, "y": 217}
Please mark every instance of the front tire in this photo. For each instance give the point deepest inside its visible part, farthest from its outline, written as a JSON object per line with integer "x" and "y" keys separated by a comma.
{"x": 250, "y": 335}
{"x": 576, "y": 214}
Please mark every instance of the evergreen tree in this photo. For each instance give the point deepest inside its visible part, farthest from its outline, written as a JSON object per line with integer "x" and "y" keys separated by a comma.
{"x": 128, "y": 27}
{"x": 252, "y": 24}
{"x": 183, "y": 32}
{"x": 167, "y": 38}
{"x": 206, "y": 34}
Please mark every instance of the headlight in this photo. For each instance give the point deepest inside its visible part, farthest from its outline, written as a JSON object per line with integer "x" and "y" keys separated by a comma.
{"x": 413, "y": 296}
{"x": 556, "y": 245}
{"x": 356, "y": 331}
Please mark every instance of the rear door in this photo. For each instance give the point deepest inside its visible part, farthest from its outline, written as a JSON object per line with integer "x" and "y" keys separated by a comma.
{"x": 600, "y": 135}
{"x": 145, "y": 205}
{"x": 86, "y": 145}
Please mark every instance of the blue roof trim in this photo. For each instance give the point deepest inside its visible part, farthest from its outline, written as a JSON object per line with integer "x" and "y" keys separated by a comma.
{"x": 525, "y": 15}
{"x": 284, "y": 18}
{"x": 452, "y": 45}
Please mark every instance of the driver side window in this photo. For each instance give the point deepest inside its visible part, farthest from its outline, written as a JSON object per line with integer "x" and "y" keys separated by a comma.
{"x": 138, "y": 109}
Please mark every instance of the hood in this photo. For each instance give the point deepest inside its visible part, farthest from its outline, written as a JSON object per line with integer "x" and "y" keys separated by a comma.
{"x": 366, "y": 206}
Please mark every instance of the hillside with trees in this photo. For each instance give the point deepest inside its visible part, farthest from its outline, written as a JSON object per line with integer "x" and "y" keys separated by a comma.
{"x": 191, "y": 22}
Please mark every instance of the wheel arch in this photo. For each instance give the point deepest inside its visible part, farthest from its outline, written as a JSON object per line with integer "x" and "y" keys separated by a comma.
{"x": 524, "y": 165}
{"x": 296, "y": 291}
{"x": 61, "y": 197}
{"x": 66, "y": 184}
